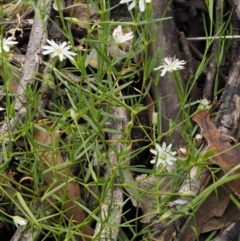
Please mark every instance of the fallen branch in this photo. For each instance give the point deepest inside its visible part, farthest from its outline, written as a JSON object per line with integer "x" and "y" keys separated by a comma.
{"x": 30, "y": 69}
{"x": 114, "y": 199}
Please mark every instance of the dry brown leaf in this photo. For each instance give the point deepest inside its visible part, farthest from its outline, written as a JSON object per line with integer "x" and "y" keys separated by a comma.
{"x": 226, "y": 156}
{"x": 215, "y": 213}
{"x": 49, "y": 158}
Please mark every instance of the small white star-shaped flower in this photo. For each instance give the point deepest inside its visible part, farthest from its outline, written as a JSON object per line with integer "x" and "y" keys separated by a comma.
{"x": 119, "y": 37}
{"x": 60, "y": 50}
{"x": 6, "y": 44}
{"x": 133, "y": 4}
{"x": 19, "y": 221}
{"x": 170, "y": 65}
{"x": 163, "y": 155}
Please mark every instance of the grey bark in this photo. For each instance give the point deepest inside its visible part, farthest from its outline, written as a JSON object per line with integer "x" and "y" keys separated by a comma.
{"x": 30, "y": 68}
{"x": 113, "y": 201}
{"x": 166, "y": 36}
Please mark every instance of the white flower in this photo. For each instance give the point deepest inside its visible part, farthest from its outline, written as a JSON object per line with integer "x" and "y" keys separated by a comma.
{"x": 6, "y": 44}
{"x": 74, "y": 115}
{"x": 204, "y": 104}
{"x": 142, "y": 4}
{"x": 19, "y": 221}
{"x": 163, "y": 155}
{"x": 60, "y": 50}
{"x": 119, "y": 37}
{"x": 133, "y": 4}
{"x": 170, "y": 65}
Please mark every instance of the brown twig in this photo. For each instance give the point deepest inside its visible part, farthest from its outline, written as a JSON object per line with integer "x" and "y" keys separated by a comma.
{"x": 30, "y": 69}
{"x": 210, "y": 79}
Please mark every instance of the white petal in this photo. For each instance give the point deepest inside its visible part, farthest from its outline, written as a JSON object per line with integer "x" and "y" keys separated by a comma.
{"x": 160, "y": 67}
{"x": 159, "y": 162}
{"x": 69, "y": 53}
{"x": 164, "y": 146}
{"x": 66, "y": 48}
{"x": 47, "y": 52}
{"x": 132, "y": 5}
{"x": 6, "y": 48}
{"x": 63, "y": 45}
{"x": 142, "y": 5}
{"x": 163, "y": 72}
{"x": 171, "y": 158}
{"x": 47, "y": 47}
{"x": 53, "y": 44}
{"x": 54, "y": 54}
{"x": 69, "y": 56}
{"x": 61, "y": 57}
{"x": 49, "y": 41}
{"x": 167, "y": 60}
{"x": 119, "y": 28}
{"x": 158, "y": 147}
{"x": 125, "y": 1}
{"x": 117, "y": 32}
{"x": 128, "y": 36}
{"x": 154, "y": 152}
{"x": 19, "y": 221}
{"x": 8, "y": 42}
{"x": 169, "y": 162}
{"x": 169, "y": 148}
{"x": 153, "y": 161}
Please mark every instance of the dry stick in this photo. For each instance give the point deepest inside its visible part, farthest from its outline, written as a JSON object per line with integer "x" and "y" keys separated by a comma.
{"x": 195, "y": 50}
{"x": 30, "y": 69}
{"x": 229, "y": 233}
{"x": 208, "y": 87}
{"x": 225, "y": 104}
{"x": 31, "y": 66}
{"x": 214, "y": 37}
{"x": 190, "y": 184}
{"x": 199, "y": 55}
{"x": 188, "y": 54}
{"x": 170, "y": 106}
{"x": 113, "y": 201}
{"x": 230, "y": 102}
{"x": 192, "y": 66}
{"x": 166, "y": 40}
{"x": 236, "y": 42}
{"x": 228, "y": 121}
